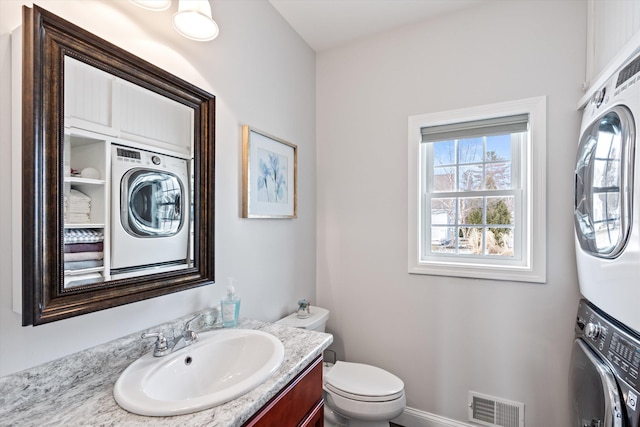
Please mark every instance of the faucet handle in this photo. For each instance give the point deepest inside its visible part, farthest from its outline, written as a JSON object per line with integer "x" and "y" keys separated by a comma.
{"x": 189, "y": 334}
{"x": 187, "y": 325}
{"x": 161, "y": 346}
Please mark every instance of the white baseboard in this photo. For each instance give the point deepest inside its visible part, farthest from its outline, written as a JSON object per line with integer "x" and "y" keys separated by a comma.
{"x": 414, "y": 418}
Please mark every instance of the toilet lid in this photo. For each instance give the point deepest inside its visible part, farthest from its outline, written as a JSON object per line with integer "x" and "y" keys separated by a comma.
{"x": 363, "y": 382}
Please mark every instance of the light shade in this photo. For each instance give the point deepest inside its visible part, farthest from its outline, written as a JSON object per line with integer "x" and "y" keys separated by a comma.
{"x": 157, "y": 5}
{"x": 193, "y": 20}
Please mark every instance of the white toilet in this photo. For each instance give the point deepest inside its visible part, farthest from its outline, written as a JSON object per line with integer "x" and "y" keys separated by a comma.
{"x": 356, "y": 395}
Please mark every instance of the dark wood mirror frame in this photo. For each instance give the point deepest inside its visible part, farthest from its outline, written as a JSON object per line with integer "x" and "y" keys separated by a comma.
{"x": 47, "y": 39}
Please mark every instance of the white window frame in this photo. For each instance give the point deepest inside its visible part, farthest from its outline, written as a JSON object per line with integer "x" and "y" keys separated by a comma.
{"x": 529, "y": 262}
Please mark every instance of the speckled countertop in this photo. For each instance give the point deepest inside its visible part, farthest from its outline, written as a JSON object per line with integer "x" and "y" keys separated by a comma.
{"x": 78, "y": 390}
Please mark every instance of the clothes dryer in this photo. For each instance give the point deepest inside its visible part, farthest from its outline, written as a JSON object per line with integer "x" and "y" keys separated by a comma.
{"x": 607, "y": 214}
{"x": 150, "y": 216}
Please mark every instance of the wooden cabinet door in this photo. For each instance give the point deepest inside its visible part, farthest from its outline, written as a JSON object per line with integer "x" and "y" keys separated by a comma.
{"x": 298, "y": 404}
{"x": 316, "y": 418}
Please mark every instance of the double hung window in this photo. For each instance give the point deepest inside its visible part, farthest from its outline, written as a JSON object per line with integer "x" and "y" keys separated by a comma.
{"x": 476, "y": 197}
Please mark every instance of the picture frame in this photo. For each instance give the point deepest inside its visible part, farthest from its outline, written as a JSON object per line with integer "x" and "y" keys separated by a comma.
{"x": 269, "y": 175}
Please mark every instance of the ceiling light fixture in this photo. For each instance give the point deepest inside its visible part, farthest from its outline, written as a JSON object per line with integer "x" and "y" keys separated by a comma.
{"x": 193, "y": 20}
{"x": 155, "y": 5}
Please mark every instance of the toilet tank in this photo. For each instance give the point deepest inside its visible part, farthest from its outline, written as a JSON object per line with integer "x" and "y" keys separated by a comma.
{"x": 317, "y": 320}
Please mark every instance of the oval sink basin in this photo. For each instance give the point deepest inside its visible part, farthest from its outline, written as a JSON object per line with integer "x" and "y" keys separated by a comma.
{"x": 219, "y": 367}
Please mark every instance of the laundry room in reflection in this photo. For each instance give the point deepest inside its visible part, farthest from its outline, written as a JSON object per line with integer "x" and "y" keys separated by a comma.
{"x": 128, "y": 166}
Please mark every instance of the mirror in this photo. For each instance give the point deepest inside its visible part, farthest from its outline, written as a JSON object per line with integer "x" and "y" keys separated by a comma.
{"x": 118, "y": 181}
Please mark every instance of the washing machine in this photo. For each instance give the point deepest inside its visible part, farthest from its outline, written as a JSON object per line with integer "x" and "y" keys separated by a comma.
{"x": 150, "y": 210}
{"x": 607, "y": 186}
{"x": 605, "y": 363}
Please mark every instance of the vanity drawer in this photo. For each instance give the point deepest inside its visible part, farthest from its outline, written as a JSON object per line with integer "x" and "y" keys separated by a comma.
{"x": 298, "y": 404}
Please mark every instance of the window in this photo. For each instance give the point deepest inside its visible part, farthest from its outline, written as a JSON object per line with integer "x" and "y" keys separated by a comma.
{"x": 476, "y": 196}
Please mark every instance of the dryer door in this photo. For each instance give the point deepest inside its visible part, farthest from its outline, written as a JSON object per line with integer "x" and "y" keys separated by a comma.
{"x": 604, "y": 184}
{"x": 152, "y": 203}
{"x": 595, "y": 395}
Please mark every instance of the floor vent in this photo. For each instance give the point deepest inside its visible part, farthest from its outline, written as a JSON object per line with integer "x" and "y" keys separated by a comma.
{"x": 495, "y": 412}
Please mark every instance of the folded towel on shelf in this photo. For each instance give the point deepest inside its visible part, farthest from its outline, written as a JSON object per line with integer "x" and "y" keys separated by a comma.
{"x": 77, "y": 218}
{"x": 78, "y": 202}
{"x": 71, "y": 281}
{"x": 81, "y": 209}
{"x": 77, "y": 196}
{"x": 83, "y": 247}
{"x": 83, "y": 235}
{"x": 79, "y": 265}
{"x": 82, "y": 256}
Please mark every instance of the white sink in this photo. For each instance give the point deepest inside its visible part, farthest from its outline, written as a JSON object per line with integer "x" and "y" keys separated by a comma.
{"x": 219, "y": 367}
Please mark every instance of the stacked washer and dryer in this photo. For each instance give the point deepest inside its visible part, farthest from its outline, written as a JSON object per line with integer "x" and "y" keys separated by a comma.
{"x": 605, "y": 361}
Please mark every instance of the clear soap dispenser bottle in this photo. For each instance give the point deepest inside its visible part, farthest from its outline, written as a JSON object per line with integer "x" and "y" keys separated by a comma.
{"x": 230, "y": 306}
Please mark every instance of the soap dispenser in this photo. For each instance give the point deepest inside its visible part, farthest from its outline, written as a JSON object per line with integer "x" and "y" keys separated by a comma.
{"x": 230, "y": 306}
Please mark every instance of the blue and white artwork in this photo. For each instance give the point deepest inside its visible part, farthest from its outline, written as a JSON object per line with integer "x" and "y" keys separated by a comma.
{"x": 269, "y": 176}
{"x": 272, "y": 178}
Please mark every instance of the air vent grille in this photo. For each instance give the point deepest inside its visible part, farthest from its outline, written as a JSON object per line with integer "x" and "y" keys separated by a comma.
{"x": 495, "y": 412}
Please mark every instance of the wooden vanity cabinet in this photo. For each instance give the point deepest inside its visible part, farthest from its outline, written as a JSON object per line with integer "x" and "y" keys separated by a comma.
{"x": 299, "y": 403}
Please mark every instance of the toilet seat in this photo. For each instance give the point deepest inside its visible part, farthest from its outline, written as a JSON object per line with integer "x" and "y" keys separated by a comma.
{"x": 364, "y": 383}
{"x": 362, "y": 398}
{"x": 366, "y": 411}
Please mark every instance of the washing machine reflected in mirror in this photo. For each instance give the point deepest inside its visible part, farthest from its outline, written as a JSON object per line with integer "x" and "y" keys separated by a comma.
{"x": 150, "y": 211}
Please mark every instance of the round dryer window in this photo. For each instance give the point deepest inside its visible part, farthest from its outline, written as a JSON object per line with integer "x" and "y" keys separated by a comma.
{"x": 152, "y": 203}
{"x": 604, "y": 184}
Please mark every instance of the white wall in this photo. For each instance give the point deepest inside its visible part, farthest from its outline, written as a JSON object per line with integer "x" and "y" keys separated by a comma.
{"x": 263, "y": 75}
{"x": 446, "y": 336}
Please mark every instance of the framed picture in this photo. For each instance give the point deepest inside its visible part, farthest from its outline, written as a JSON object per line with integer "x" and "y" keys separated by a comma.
{"x": 269, "y": 175}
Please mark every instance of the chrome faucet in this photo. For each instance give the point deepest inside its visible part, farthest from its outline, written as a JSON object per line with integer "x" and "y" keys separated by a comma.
{"x": 164, "y": 346}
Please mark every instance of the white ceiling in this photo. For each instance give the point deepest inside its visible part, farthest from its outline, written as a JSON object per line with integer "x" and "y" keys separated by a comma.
{"x": 324, "y": 24}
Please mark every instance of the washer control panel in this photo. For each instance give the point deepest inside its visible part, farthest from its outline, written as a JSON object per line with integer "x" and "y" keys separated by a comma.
{"x": 134, "y": 156}
{"x": 617, "y": 344}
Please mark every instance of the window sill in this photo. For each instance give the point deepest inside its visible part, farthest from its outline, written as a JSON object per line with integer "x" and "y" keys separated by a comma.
{"x": 477, "y": 271}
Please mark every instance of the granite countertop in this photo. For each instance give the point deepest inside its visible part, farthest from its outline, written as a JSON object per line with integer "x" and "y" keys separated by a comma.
{"x": 78, "y": 390}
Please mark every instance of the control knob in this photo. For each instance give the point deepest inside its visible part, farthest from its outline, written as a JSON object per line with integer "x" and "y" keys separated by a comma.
{"x": 598, "y": 97}
{"x": 592, "y": 330}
